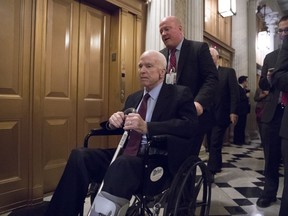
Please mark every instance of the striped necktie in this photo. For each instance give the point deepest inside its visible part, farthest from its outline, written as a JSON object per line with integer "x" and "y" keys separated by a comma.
{"x": 172, "y": 61}
{"x": 135, "y": 138}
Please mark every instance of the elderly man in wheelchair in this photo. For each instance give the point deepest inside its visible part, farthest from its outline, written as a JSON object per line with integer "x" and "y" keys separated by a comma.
{"x": 169, "y": 109}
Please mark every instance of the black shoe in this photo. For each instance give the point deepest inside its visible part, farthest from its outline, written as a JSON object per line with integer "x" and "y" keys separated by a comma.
{"x": 265, "y": 202}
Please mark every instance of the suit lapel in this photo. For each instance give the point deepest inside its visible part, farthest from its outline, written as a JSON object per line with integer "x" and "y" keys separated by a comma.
{"x": 182, "y": 58}
{"x": 221, "y": 73}
{"x": 161, "y": 104}
{"x": 134, "y": 101}
{"x": 165, "y": 52}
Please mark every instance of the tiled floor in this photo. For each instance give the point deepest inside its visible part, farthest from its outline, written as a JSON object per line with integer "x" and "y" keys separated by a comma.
{"x": 240, "y": 183}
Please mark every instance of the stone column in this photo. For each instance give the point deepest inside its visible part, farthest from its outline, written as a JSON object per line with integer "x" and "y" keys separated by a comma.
{"x": 194, "y": 27}
{"x": 252, "y": 70}
{"x": 157, "y": 9}
{"x": 244, "y": 61}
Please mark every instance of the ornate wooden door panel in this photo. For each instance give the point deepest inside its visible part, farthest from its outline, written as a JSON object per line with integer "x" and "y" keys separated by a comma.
{"x": 15, "y": 110}
{"x": 93, "y": 71}
{"x": 56, "y": 88}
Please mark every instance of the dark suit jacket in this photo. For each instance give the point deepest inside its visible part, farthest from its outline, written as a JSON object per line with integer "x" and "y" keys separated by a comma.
{"x": 227, "y": 96}
{"x": 174, "y": 114}
{"x": 243, "y": 105}
{"x": 272, "y": 98}
{"x": 280, "y": 81}
{"x": 196, "y": 70}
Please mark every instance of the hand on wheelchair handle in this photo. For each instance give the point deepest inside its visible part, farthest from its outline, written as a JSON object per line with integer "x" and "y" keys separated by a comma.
{"x": 134, "y": 121}
{"x": 126, "y": 113}
{"x": 130, "y": 110}
{"x": 117, "y": 119}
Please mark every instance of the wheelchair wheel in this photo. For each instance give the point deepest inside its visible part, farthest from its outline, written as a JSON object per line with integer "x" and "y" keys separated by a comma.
{"x": 190, "y": 191}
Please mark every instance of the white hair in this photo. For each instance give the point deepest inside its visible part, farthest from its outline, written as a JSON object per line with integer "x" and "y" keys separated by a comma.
{"x": 158, "y": 57}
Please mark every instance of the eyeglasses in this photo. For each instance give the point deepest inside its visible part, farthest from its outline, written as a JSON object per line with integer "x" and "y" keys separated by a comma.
{"x": 285, "y": 31}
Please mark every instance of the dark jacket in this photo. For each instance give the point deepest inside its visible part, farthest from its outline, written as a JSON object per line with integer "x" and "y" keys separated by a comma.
{"x": 226, "y": 97}
{"x": 280, "y": 81}
{"x": 196, "y": 70}
{"x": 244, "y": 104}
{"x": 174, "y": 114}
{"x": 272, "y": 98}
{"x": 260, "y": 103}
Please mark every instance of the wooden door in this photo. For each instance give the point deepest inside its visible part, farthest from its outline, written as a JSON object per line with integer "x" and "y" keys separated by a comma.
{"x": 93, "y": 72}
{"x": 55, "y": 88}
{"x": 74, "y": 81}
{"x": 15, "y": 109}
{"x": 56, "y": 81}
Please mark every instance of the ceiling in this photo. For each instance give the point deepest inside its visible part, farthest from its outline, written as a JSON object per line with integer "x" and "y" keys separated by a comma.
{"x": 270, "y": 11}
{"x": 283, "y": 5}
{"x": 280, "y": 6}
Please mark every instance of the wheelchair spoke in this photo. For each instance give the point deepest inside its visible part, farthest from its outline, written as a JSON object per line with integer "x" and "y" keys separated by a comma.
{"x": 192, "y": 190}
{"x": 197, "y": 188}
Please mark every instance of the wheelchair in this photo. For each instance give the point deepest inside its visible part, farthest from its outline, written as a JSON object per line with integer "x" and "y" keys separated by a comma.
{"x": 188, "y": 192}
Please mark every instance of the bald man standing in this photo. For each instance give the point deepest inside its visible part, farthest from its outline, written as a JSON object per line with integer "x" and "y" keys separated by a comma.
{"x": 225, "y": 111}
{"x": 193, "y": 66}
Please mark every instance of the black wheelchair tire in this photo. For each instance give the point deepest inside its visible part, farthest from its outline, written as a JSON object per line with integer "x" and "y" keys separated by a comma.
{"x": 182, "y": 198}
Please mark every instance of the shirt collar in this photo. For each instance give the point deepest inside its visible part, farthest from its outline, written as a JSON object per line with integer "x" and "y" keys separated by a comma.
{"x": 154, "y": 93}
{"x": 178, "y": 47}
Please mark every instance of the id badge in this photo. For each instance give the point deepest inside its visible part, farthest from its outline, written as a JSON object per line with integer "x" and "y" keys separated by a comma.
{"x": 168, "y": 78}
{"x": 171, "y": 77}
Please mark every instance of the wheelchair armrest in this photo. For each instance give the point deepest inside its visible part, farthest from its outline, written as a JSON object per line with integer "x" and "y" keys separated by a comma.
{"x": 101, "y": 132}
{"x": 159, "y": 142}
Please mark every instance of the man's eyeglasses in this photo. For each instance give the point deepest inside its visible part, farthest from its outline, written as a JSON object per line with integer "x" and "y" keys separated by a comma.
{"x": 285, "y": 31}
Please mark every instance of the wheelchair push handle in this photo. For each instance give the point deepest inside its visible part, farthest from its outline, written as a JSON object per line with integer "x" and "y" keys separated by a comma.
{"x": 130, "y": 110}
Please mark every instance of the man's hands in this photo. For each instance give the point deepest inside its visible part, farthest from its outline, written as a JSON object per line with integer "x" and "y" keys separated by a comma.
{"x": 199, "y": 108}
{"x": 233, "y": 118}
{"x": 116, "y": 120}
{"x": 132, "y": 121}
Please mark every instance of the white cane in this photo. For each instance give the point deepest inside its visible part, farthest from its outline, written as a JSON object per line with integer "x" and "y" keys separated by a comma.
{"x": 119, "y": 147}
